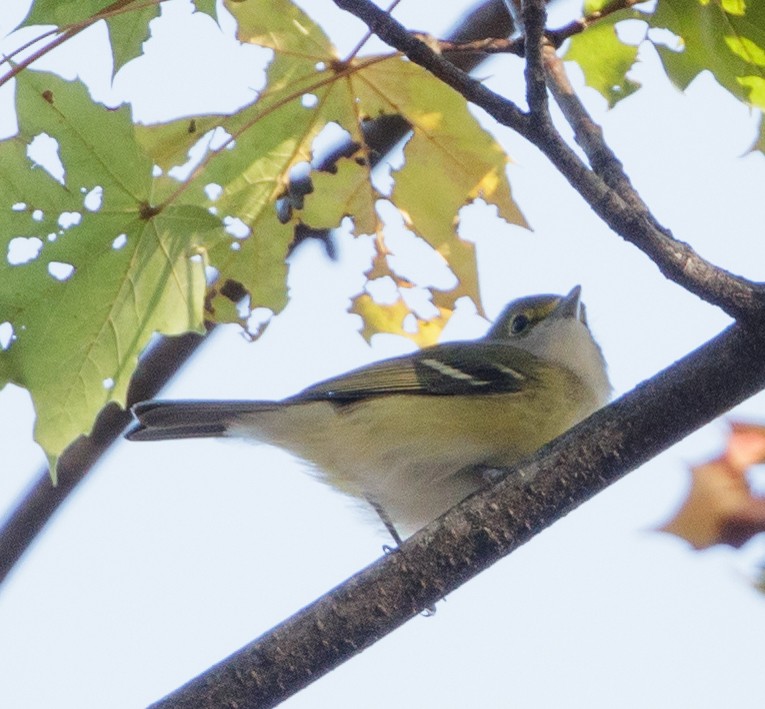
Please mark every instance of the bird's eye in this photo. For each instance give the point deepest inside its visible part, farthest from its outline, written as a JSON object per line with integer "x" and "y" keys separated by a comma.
{"x": 519, "y": 323}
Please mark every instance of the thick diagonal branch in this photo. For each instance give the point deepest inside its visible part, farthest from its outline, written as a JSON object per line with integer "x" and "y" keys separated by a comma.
{"x": 484, "y": 528}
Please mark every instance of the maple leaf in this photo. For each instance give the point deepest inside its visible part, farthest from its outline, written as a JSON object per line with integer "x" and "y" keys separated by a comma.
{"x": 720, "y": 507}
{"x": 308, "y": 87}
{"x": 605, "y": 59}
{"x": 94, "y": 270}
{"x": 119, "y": 251}
{"x": 726, "y": 37}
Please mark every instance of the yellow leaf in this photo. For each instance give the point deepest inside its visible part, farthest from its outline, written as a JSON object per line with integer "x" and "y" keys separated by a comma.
{"x": 379, "y": 317}
{"x": 450, "y": 159}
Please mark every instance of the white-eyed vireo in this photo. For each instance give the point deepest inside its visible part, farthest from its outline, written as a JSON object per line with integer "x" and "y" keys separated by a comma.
{"x": 414, "y": 435}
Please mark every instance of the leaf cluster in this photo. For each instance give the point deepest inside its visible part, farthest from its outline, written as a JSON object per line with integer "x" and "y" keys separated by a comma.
{"x": 145, "y": 252}
{"x": 724, "y": 37}
{"x": 105, "y": 247}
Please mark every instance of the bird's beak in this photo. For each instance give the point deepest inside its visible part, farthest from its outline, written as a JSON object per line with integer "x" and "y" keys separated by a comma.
{"x": 570, "y": 306}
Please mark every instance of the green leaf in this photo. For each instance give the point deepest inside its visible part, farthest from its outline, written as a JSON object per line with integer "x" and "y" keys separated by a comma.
{"x": 128, "y": 31}
{"x": 128, "y": 27}
{"x": 105, "y": 272}
{"x": 207, "y": 7}
{"x": 592, "y": 6}
{"x": 267, "y": 138}
{"x": 448, "y": 151}
{"x": 605, "y": 59}
{"x": 63, "y": 12}
{"x": 727, "y": 38}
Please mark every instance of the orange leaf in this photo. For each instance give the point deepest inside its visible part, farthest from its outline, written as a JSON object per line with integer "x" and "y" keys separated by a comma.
{"x": 720, "y": 507}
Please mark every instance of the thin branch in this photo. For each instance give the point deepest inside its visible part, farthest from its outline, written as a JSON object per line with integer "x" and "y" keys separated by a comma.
{"x": 534, "y": 17}
{"x": 484, "y": 528}
{"x": 485, "y": 45}
{"x": 737, "y": 296}
{"x": 557, "y": 37}
{"x": 392, "y": 32}
{"x": 629, "y": 216}
{"x": 66, "y": 33}
{"x": 40, "y": 502}
{"x": 515, "y": 45}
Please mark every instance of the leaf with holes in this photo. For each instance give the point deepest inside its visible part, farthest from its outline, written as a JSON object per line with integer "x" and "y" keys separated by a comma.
{"x": 247, "y": 167}
{"x": 91, "y": 272}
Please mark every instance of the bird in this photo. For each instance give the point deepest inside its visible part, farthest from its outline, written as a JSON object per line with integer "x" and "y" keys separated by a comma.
{"x": 413, "y": 435}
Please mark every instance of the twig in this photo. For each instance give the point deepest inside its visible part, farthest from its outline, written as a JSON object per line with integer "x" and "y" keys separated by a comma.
{"x": 487, "y": 45}
{"x": 630, "y": 216}
{"x": 557, "y": 37}
{"x": 515, "y": 45}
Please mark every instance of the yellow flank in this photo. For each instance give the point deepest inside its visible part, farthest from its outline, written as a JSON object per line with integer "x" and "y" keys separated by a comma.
{"x": 412, "y": 452}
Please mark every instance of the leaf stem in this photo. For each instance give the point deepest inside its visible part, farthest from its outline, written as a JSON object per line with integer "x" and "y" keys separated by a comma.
{"x": 68, "y": 31}
{"x": 346, "y": 70}
{"x": 368, "y": 35}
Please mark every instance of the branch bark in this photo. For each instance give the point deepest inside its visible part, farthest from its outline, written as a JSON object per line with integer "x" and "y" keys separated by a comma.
{"x": 485, "y": 527}
{"x": 563, "y": 475}
{"x": 737, "y": 296}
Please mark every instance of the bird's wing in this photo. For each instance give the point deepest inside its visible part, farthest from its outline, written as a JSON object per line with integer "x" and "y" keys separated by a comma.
{"x": 448, "y": 369}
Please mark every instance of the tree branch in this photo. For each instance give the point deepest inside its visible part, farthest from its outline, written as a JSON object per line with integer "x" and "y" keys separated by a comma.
{"x": 632, "y": 218}
{"x": 485, "y": 527}
{"x": 42, "y": 500}
{"x": 737, "y": 296}
{"x": 557, "y": 37}
{"x": 534, "y": 16}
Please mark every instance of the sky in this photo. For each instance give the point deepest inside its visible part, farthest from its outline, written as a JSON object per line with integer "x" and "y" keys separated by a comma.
{"x": 173, "y": 555}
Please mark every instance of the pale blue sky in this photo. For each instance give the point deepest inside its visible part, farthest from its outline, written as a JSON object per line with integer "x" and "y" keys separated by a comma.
{"x": 173, "y": 555}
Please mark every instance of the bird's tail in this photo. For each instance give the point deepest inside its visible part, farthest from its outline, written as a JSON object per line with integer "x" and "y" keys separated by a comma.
{"x": 162, "y": 420}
